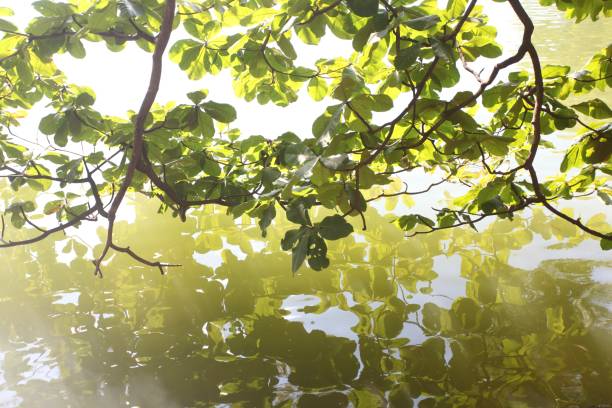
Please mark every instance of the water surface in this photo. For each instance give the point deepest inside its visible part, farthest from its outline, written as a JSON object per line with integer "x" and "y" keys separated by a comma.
{"x": 444, "y": 319}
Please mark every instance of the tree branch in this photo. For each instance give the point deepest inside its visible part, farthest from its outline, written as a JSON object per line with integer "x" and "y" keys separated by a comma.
{"x": 80, "y": 217}
{"x": 138, "y": 140}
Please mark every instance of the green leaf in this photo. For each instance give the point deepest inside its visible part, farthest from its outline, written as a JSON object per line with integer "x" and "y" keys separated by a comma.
{"x": 407, "y": 57}
{"x": 75, "y": 48}
{"x": 297, "y": 212}
{"x": 53, "y": 206}
{"x": 266, "y": 219}
{"x": 299, "y": 252}
{"x": 573, "y": 158}
{"x": 335, "y": 227}
{"x": 269, "y": 175}
{"x": 350, "y": 85}
{"x": 211, "y": 168}
{"x": 555, "y": 71}
{"x": 606, "y": 243}
{"x": 329, "y": 193}
{"x": 131, "y": 8}
{"x": 599, "y": 149}
{"x": 103, "y": 19}
{"x": 61, "y": 134}
{"x": 363, "y": 8}
{"x": 425, "y": 221}
{"x": 497, "y": 145}
{"x": 24, "y": 70}
{"x": 50, "y": 8}
{"x": 74, "y": 124}
{"x": 205, "y": 125}
{"x": 389, "y": 324}
{"x": 317, "y": 88}
{"x": 305, "y": 169}
{"x": 85, "y": 98}
{"x": 455, "y": 7}
{"x": 221, "y": 112}
{"x": 49, "y": 124}
{"x": 312, "y": 32}
{"x": 326, "y": 124}
{"x": 197, "y": 96}
{"x": 489, "y": 192}
{"x": 595, "y": 108}
{"x": 293, "y": 154}
{"x": 317, "y": 253}
{"x": 431, "y": 316}
{"x": 5, "y": 11}
{"x": 337, "y": 162}
{"x": 7, "y": 26}
{"x": 604, "y": 197}
{"x": 286, "y": 47}
{"x": 446, "y": 219}
{"x": 422, "y": 23}
{"x": 380, "y": 21}
{"x": 17, "y": 220}
{"x": 28, "y": 206}
{"x": 407, "y": 222}
{"x": 357, "y": 200}
{"x": 497, "y": 95}
{"x": 56, "y": 158}
{"x": 290, "y": 239}
{"x": 442, "y": 49}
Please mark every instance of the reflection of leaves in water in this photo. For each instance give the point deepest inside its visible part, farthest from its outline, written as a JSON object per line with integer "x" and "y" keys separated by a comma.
{"x": 233, "y": 335}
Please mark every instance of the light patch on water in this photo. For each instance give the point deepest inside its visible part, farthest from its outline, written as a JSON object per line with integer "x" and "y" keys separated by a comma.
{"x": 350, "y": 299}
{"x": 413, "y": 333}
{"x": 101, "y": 316}
{"x": 214, "y": 259}
{"x": 67, "y": 298}
{"x": 234, "y": 249}
{"x": 294, "y": 302}
{"x": 258, "y": 246}
{"x": 538, "y": 251}
{"x": 42, "y": 366}
{"x": 602, "y": 274}
{"x": 449, "y": 285}
{"x": 8, "y": 398}
{"x": 359, "y": 238}
{"x": 333, "y": 321}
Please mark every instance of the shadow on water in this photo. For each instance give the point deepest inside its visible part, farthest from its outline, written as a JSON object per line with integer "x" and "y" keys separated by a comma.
{"x": 438, "y": 320}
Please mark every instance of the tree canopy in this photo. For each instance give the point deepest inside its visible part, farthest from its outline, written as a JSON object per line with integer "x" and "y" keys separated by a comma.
{"x": 406, "y": 65}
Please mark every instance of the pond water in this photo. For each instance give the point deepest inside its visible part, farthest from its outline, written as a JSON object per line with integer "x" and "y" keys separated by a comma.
{"x": 517, "y": 314}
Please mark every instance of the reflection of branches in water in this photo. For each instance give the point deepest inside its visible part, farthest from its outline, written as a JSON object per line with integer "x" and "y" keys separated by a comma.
{"x": 166, "y": 342}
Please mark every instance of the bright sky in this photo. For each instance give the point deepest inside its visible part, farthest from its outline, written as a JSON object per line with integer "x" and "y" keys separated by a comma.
{"x": 120, "y": 81}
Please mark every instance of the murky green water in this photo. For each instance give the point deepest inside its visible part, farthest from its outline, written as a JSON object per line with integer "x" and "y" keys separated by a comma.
{"x": 516, "y": 315}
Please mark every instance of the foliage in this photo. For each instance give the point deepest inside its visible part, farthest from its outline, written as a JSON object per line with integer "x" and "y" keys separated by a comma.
{"x": 406, "y": 65}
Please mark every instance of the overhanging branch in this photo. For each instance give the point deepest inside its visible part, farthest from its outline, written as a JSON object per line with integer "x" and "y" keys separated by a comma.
{"x": 161, "y": 43}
